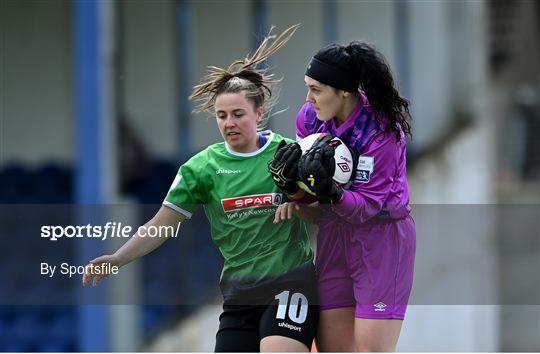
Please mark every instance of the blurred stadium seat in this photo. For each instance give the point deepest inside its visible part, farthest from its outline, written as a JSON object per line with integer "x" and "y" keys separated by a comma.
{"x": 15, "y": 184}
{"x": 170, "y": 291}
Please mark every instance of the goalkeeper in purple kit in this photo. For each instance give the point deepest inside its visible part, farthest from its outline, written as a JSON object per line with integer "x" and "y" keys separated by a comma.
{"x": 367, "y": 238}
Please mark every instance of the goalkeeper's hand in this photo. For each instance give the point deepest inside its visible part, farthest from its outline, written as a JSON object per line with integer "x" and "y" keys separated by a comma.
{"x": 316, "y": 170}
{"x": 284, "y": 166}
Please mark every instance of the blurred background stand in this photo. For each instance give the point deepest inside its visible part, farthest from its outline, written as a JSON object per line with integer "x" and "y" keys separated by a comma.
{"x": 94, "y": 109}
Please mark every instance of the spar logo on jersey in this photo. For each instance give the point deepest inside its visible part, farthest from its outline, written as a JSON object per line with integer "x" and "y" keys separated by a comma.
{"x": 251, "y": 201}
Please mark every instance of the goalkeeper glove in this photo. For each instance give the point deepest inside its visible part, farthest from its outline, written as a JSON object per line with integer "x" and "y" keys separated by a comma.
{"x": 316, "y": 170}
{"x": 284, "y": 166}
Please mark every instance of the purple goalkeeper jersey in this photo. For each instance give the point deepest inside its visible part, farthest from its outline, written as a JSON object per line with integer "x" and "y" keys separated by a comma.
{"x": 365, "y": 255}
{"x": 379, "y": 186}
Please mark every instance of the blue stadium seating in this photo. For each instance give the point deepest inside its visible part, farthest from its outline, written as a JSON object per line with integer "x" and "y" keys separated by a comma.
{"x": 169, "y": 290}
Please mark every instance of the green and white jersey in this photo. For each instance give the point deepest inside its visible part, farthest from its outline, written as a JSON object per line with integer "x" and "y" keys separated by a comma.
{"x": 240, "y": 199}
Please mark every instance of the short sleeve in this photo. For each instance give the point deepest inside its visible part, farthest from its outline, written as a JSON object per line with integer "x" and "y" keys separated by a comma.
{"x": 186, "y": 192}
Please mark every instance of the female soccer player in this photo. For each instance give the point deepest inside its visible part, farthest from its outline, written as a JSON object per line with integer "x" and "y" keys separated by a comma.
{"x": 366, "y": 240}
{"x": 268, "y": 278}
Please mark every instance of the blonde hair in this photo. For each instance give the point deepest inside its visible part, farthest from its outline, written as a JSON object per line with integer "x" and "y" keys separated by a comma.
{"x": 244, "y": 76}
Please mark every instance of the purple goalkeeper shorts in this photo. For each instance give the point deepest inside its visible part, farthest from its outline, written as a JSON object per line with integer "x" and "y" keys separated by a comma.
{"x": 369, "y": 267}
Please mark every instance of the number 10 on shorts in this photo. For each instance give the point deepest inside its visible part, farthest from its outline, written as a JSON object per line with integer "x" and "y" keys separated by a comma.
{"x": 295, "y": 314}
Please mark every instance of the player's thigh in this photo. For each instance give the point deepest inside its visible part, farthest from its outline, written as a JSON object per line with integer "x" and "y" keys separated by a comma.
{"x": 376, "y": 335}
{"x": 291, "y": 320}
{"x": 336, "y": 330}
{"x": 238, "y": 329}
{"x": 237, "y": 340}
{"x": 280, "y": 344}
{"x": 382, "y": 267}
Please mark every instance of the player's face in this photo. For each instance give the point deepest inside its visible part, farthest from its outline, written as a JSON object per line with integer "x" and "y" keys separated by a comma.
{"x": 326, "y": 101}
{"x": 237, "y": 121}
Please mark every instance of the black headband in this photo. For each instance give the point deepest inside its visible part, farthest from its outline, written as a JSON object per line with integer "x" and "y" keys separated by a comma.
{"x": 332, "y": 75}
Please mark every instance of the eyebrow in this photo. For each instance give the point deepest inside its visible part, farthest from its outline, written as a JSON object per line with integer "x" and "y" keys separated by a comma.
{"x": 234, "y": 110}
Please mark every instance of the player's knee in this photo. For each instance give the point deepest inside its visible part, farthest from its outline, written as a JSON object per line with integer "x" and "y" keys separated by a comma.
{"x": 336, "y": 346}
{"x": 374, "y": 345}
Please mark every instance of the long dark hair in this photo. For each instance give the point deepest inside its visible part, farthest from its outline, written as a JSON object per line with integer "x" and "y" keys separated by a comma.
{"x": 363, "y": 60}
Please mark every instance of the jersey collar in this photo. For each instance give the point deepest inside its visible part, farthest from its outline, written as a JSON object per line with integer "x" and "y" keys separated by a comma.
{"x": 269, "y": 137}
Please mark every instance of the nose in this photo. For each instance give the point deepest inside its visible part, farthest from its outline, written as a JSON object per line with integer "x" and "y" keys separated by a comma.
{"x": 230, "y": 122}
{"x": 309, "y": 97}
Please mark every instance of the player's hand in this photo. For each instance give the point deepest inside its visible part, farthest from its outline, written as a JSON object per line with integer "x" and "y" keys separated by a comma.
{"x": 112, "y": 259}
{"x": 316, "y": 170}
{"x": 284, "y": 166}
{"x": 285, "y": 211}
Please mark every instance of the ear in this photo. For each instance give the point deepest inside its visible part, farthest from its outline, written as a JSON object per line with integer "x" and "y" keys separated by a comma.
{"x": 260, "y": 113}
{"x": 345, "y": 94}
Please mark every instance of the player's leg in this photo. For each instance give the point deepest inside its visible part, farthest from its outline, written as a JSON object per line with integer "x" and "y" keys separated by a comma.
{"x": 238, "y": 329}
{"x": 336, "y": 330}
{"x": 281, "y": 344}
{"x": 237, "y": 341}
{"x": 337, "y": 303}
{"x": 289, "y": 323}
{"x": 376, "y": 335}
{"x": 383, "y": 276}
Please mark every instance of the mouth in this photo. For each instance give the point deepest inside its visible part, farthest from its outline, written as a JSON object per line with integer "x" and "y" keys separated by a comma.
{"x": 233, "y": 136}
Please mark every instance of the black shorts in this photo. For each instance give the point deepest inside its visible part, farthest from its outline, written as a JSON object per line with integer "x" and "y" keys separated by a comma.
{"x": 291, "y": 311}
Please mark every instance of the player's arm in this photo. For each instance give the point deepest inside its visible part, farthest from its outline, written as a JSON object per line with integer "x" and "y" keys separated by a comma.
{"x": 367, "y": 196}
{"x": 307, "y": 212}
{"x": 138, "y": 245}
{"x": 368, "y": 192}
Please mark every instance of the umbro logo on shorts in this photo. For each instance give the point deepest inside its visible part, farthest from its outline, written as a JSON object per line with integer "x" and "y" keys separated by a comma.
{"x": 380, "y": 307}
